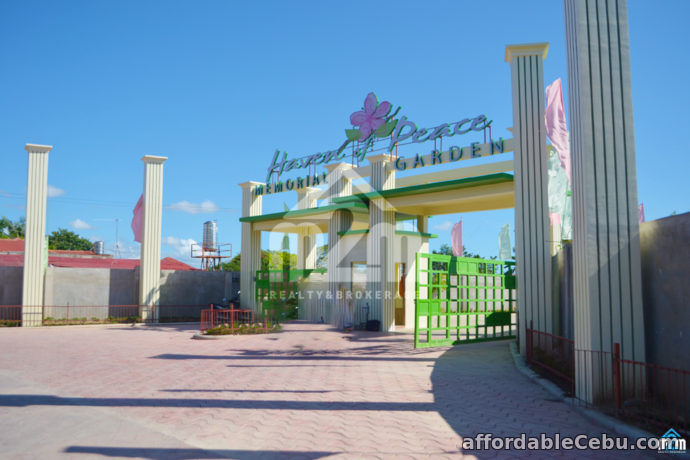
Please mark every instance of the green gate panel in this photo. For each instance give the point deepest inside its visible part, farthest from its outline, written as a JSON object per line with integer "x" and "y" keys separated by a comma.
{"x": 463, "y": 300}
{"x": 277, "y": 291}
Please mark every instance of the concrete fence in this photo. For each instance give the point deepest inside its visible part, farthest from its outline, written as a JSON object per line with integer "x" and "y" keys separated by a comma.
{"x": 88, "y": 290}
{"x": 665, "y": 257}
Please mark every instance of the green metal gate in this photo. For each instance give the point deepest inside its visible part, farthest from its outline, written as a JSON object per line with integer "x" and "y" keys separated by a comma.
{"x": 462, "y": 300}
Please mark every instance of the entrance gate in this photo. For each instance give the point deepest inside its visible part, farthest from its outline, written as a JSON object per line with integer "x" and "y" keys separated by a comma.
{"x": 462, "y": 300}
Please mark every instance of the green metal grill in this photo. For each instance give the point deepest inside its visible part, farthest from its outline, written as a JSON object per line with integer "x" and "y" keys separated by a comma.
{"x": 463, "y": 300}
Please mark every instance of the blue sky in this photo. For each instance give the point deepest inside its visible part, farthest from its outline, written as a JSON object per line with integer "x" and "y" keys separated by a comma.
{"x": 218, "y": 86}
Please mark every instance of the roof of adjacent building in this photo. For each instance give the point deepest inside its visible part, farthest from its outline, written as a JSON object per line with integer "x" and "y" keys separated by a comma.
{"x": 12, "y": 255}
{"x": 16, "y": 246}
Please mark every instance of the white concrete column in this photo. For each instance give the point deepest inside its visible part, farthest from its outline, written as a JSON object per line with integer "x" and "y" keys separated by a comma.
{"x": 422, "y": 227}
{"x": 34, "y": 236}
{"x": 532, "y": 234}
{"x": 250, "y": 259}
{"x": 150, "y": 272}
{"x": 339, "y": 272}
{"x": 606, "y": 244}
{"x": 380, "y": 244}
{"x": 306, "y": 235}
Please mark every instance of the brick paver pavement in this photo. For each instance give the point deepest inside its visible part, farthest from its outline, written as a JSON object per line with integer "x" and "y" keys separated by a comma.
{"x": 307, "y": 392}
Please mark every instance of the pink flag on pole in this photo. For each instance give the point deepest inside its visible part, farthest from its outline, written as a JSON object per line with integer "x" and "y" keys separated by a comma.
{"x": 456, "y": 239}
{"x": 556, "y": 128}
{"x": 555, "y": 219}
{"x": 640, "y": 212}
{"x": 137, "y": 219}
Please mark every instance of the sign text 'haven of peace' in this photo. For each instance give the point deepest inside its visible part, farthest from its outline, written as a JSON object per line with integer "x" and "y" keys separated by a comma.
{"x": 377, "y": 121}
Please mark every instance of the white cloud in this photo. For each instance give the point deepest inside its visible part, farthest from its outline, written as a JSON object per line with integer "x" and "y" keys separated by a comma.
{"x": 79, "y": 224}
{"x": 445, "y": 226}
{"x": 126, "y": 250}
{"x": 181, "y": 247}
{"x": 54, "y": 191}
{"x": 193, "y": 208}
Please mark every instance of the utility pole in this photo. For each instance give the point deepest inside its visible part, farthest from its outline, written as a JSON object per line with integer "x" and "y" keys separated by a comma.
{"x": 117, "y": 237}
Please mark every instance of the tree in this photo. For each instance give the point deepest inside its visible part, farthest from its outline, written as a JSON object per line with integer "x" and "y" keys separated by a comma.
{"x": 9, "y": 229}
{"x": 66, "y": 240}
{"x": 270, "y": 260}
{"x": 445, "y": 250}
{"x": 233, "y": 265}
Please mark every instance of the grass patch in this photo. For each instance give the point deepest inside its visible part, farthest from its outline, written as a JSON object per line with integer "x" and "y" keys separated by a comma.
{"x": 243, "y": 329}
{"x": 10, "y": 323}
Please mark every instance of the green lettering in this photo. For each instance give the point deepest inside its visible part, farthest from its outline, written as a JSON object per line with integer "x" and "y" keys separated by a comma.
{"x": 497, "y": 146}
{"x": 455, "y": 150}
{"x": 436, "y": 156}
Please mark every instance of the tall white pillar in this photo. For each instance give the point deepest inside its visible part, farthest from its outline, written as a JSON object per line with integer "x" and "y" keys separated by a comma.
{"x": 532, "y": 234}
{"x": 606, "y": 243}
{"x": 339, "y": 272}
{"x": 250, "y": 259}
{"x": 306, "y": 236}
{"x": 150, "y": 272}
{"x": 34, "y": 236}
{"x": 380, "y": 244}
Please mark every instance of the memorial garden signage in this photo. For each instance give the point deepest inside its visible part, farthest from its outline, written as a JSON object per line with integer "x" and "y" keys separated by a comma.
{"x": 372, "y": 126}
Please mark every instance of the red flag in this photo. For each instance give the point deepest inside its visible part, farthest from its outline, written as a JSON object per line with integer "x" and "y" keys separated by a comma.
{"x": 640, "y": 212}
{"x": 456, "y": 239}
{"x": 556, "y": 128}
{"x": 138, "y": 218}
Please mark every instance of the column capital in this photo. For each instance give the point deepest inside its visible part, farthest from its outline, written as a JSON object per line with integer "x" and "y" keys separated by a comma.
{"x": 250, "y": 184}
{"x": 308, "y": 190}
{"x": 333, "y": 166}
{"x": 38, "y": 148}
{"x": 153, "y": 159}
{"x": 526, "y": 49}
{"x": 381, "y": 158}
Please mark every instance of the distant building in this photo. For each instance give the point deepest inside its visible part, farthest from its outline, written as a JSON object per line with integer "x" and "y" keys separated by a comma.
{"x": 12, "y": 255}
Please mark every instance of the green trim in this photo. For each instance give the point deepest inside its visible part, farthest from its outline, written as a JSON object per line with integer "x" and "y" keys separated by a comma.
{"x": 397, "y": 232}
{"x": 354, "y": 207}
{"x": 410, "y": 233}
{"x": 455, "y": 184}
{"x": 401, "y": 216}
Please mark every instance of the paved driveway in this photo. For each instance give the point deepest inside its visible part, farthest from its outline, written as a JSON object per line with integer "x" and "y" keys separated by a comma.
{"x": 308, "y": 392}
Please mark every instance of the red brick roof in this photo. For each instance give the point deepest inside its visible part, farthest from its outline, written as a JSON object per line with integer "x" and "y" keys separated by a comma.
{"x": 16, "y": 246}
{"x": 11, "y": 245}
{"x": 168, "y": 263}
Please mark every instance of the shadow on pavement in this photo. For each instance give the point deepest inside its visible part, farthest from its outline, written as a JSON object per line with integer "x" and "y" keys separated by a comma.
{"x": 165, "y": 454}
{"x": 306, "y": 357}
{"x": 244, "y": 391}
{"x": 23, "y": 400}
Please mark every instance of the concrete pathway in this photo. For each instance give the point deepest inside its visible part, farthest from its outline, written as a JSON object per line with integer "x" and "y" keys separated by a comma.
{"x": 308, "y": 392}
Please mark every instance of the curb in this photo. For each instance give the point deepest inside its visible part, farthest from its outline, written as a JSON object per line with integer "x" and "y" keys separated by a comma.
{"x": 199, "y": 336}
{"x": 592, "y": 415}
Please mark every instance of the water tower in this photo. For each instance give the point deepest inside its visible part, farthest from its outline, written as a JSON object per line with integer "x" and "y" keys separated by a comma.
{"x": 211, "y": 252}
{"x": 210, "y": 236}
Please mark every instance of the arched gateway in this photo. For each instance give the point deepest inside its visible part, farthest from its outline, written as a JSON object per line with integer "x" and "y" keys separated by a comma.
{"x": 368, "y": 188}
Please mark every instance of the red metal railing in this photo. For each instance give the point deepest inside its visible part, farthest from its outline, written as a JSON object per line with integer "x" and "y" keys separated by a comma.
{"x": 552, "y": 354}
{"x": 56, "y": 315}
{"x": 653, "y": 396}
{"x": 230, "y": 318}
{"x": 10, "y": 315}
